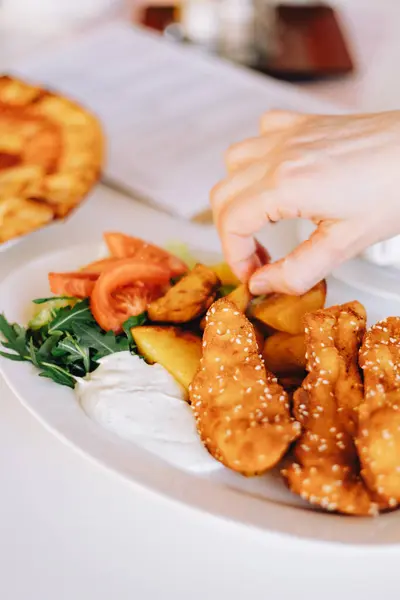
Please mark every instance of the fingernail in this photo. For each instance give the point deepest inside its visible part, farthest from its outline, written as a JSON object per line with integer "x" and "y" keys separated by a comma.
{"x": 259, "y": 285}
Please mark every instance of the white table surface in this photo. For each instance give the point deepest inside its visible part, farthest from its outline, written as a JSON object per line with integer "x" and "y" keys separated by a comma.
{"x": 70, "y": 529}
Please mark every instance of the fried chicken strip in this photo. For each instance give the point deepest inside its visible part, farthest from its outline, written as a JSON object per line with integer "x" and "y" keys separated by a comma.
{"x": 326, "y": 469}
{"x": 242, "y": 413}
{"x": 379, "y": 415}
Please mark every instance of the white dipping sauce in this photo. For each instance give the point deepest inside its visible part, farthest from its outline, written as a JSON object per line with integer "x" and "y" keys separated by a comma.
{"x": 144, "y": 404}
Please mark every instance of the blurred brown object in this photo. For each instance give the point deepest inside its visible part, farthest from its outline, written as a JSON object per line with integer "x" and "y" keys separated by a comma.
{"x": 158, "y": 17}
{"x": 309, "y": 44}
{"x": 155, "y": 15}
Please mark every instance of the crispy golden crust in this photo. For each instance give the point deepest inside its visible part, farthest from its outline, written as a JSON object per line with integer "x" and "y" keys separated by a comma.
{"x": 379, "y": 416}
{"x": 188, "y": 299}
{"x": 326, "y": 469}
{"x": 19, "y": 216}
{"x": 242, "y": 413}
{"x": 51, "y": 150}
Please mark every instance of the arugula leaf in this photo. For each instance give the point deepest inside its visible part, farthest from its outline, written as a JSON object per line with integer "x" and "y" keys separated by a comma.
{"x": 46, "y": 348}
{"x": 57, "y": 374}
{"x": 68, "y": 344}
{"x": 16, "y": 357}
{"x": 72, "y": 352}
{"x": 102, "y": 343}
{"x": 133, "y": 322}
{"x": 32, "y": 353}
{"x": 15, "y": 336}
{"x": 69, "y": 316}
{"x": 51, "y": 298}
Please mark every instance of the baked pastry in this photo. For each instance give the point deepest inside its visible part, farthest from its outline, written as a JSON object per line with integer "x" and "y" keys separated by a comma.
{"x": 51, "y": 155}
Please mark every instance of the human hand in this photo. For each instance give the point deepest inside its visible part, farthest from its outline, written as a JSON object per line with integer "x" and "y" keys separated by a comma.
{"x": 341, "y": 172}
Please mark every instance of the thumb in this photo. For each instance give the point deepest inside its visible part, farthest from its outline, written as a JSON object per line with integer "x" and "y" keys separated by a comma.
{"x": 331, "y": 244}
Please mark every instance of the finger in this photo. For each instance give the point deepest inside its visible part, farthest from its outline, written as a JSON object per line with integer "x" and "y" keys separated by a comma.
{"x": 252, "y": 150}
{"x": 234, "y": 185}
{"x": 331, "y": 244}
{"x": 238, "y": 221}
{"x": 278, "y": 120}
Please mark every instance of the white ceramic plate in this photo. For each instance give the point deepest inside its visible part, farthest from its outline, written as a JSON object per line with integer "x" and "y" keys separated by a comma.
{"x": 262, "y": 503}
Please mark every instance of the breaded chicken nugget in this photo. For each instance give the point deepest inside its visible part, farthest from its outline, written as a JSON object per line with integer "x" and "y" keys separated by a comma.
{"x": 379, "y": 415}
{"x": 242, "y": 413}
{"x": 326, "y": 469}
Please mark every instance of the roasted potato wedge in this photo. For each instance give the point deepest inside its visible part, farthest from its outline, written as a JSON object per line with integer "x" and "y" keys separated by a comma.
{"x": 285, "y": 313}
{"x": 240, "y": 296}
{"x": 189, "y": 299}
{"x": 225, "y": 274}
{"x": 177, "y": 350}
{"x": 284, "y": 353}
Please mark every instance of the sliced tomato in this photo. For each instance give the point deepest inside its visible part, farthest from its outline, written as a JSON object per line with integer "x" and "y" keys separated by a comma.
{"x": 125, "y": 289}
{"x": 78, "y": 285}
{"x": 98, "y": 266}
{"x": 125, "y": 246}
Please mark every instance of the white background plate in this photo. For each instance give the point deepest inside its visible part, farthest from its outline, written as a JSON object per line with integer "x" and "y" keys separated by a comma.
{"x": 262, "y": 503}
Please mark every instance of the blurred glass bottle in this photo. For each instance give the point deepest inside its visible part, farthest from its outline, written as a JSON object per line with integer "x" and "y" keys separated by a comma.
{"x": 236, "y": 25}
{"x": 239, "y": 30}
{"x": 199, "y": 22}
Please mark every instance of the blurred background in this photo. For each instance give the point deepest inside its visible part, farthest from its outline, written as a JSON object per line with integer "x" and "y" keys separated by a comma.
{"x": 345, "y": 51}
